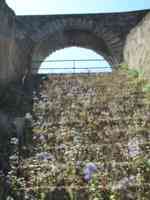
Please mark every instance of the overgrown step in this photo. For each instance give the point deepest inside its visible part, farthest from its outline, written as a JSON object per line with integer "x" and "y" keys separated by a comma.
{"x": 100, "y": 119}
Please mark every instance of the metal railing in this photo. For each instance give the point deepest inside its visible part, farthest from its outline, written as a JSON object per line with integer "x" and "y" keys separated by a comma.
{"x": 75, "y": 66}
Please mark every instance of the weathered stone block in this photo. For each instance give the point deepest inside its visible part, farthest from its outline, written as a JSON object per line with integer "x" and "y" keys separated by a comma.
{"x": 137, "y": 47}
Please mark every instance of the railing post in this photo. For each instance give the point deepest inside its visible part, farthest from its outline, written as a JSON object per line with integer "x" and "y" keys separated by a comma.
{"x": 74, "y": 66}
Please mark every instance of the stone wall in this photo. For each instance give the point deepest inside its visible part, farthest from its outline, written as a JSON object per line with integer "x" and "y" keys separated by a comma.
{"x": 7, "y": 25}
{"x": 27, "y": 38}
{"x": 15, "y": 47}
{"x": 137, "y": 47}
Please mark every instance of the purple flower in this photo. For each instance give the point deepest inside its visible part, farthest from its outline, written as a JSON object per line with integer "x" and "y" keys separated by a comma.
{"x": 44, "y": 156}
{"x": 42, "y": 138}
{"x": 88, "y": 171}
{"x": 133, "y": 147}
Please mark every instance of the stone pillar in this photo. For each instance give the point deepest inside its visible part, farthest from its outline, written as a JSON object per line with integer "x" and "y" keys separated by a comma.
{"x": 15, "y": 47}
{"x": 137, "y": 47}
{"x": 7, "y": 18}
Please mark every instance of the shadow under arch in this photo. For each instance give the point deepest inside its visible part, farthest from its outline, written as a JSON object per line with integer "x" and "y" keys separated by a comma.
{"x": 72, "y": 38}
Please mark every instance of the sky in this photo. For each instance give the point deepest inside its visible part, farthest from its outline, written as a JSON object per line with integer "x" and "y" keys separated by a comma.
{"x": 26, "y": 7}
{"x": 96, "y": 61}
{"x": 44, "y": 7}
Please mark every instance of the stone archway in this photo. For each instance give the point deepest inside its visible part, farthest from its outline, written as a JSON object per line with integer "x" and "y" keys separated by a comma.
{"x": 27, "y": 38}
{"x": 62, "y": 34}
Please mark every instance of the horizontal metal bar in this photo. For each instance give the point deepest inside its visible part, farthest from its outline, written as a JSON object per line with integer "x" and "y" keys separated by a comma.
{"x": 78, "y": 60}
{"x": 72, "y": 73}
{"x": 71, "y": 67}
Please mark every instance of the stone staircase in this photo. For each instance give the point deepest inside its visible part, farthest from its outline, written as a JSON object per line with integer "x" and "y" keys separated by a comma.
{"x": 99, "y": 119}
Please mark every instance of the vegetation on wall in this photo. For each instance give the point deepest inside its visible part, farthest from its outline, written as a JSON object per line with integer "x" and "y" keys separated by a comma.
{"x": 90, "y": 140}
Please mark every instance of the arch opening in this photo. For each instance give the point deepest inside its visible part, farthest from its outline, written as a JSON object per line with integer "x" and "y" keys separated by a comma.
{"x": 68, "y": 38}
{"x": 74, "y": 60}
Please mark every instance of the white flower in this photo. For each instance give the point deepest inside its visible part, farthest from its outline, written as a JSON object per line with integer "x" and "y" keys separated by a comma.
{"x": 13, "y": 157}
{"x": 14, "y": 140}
{"x": 10, "y": 198}
{"x": 28, "y": 116}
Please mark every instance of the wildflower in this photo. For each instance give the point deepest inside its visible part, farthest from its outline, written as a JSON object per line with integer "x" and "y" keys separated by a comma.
{"x": 13, "y": 157}
{"x": 61, "y": 147}
{"x": 28, "y": 116}
{"x": 14, "y": 141}
{"x": 34, "y": 137}
{"x": 125, "y": 182}
{"x": 88, "y": 171}
{"x": 10, "y": 198}
{"x": 133, "y": 147}
{"x": 44, "y": 156}
{"x": 42, "y": 138}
